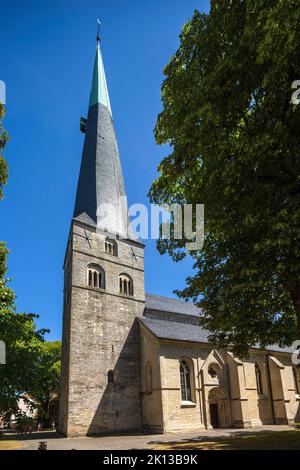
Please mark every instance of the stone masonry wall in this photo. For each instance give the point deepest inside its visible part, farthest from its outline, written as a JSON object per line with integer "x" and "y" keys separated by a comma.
{"x": 234, "y": 389}
{"x": 103, "y": 336}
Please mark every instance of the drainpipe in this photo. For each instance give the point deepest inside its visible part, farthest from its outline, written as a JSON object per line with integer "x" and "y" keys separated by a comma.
{"x": 270, "y": 387}
{"x": 229, "y": 393}
{"x": 205, "y": 419}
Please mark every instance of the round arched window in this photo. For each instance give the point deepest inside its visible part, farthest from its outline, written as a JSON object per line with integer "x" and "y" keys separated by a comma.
{"x": 110, "y": 377}
{"x": 125, "y": 284}
{"x": 95, "y": 276}
{"x": 259, "y": 381}
{"x": 111, "y": 247}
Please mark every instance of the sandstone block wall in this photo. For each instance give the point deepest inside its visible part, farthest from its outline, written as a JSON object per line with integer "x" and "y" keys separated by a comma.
{"x": 102, "y": 336}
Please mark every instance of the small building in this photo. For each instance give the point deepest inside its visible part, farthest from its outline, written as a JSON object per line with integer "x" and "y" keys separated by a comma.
{"x": 27, "y": 405}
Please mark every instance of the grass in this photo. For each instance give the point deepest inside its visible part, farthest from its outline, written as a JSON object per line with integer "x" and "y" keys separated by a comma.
{"x": 264, "y": 440}
{"x": 10, "y": 445}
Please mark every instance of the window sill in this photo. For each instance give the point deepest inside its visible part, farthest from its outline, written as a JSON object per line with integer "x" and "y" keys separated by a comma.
{"x": 188, "y": 404}
{"x": 97, "y": 289}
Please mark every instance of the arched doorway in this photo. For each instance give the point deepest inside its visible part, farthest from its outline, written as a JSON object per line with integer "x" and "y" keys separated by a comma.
{"x": 219, "y": 411}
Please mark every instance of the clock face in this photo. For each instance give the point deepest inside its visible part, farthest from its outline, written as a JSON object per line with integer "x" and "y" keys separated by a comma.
{"x": 133, "y": 254}
{"x": 88, "y": 239}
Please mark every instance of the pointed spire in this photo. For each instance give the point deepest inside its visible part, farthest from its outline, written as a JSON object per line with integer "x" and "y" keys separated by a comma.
{"x": 100, "y": 181}
{"x": 99, "y": 91}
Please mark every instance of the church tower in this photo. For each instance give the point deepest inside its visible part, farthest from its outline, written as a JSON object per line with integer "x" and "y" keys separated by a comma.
{"x": 103, "y": 287}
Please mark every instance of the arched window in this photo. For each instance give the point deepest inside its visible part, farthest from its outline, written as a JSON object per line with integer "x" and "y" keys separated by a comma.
{"x": 148, "y": 374}
{"x": 296, "y": 373}
{"x": 110, "y": 377}
{"x": 185, "y": 381}
{"x": 111, "y": 247}
{"x": 125, "y": 284}
{"x": 259, "y": 383}
{"x": 96, "y": 277}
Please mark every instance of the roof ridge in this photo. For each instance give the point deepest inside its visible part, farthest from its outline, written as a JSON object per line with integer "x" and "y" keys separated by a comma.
{"x": 169, "y": 298}
{"x": 168, "y": 304}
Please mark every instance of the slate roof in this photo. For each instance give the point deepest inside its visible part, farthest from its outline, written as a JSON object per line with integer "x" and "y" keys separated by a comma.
{"x": 180, "y": 322}
{"x": 165, "y": 304}
{"x": 100, "y": 179}
{"x": 175, "y": 330}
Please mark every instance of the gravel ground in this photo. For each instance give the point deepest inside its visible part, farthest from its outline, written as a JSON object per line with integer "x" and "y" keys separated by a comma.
{"x": 123, "y": 442}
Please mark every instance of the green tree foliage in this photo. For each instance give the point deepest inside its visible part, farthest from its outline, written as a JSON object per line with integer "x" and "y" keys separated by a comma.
{"x": 27, "y": 354}
{"x": 3, "y": 163}
{"x": 47, "y": 379}
{"x": 235, "y": 138}
{"x": 23, "y": 349}
{"x": 6, "y": 294}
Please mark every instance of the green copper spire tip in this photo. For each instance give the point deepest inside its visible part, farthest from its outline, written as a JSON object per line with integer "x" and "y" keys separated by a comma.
{"x": 99, "y": 91}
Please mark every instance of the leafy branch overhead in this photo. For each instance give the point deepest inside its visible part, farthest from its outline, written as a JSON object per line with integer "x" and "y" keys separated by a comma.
{"x": 234, "y": 139}
{"x": 32, "y": 364}
{"x": 3, "y": 163}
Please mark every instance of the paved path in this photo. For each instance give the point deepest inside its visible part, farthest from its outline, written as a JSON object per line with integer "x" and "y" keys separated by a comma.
{"x": 137, "y": 441}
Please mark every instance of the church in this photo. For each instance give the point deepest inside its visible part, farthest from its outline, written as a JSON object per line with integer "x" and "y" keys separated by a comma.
{"x": 133, "y": 361}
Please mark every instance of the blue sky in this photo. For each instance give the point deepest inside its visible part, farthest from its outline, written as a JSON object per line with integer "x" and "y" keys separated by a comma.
{"x": 47, "y": 57}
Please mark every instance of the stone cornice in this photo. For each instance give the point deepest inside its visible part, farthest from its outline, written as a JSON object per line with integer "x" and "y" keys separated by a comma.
{"x": 107, "y": 259}
{"x": 104, "y": 291}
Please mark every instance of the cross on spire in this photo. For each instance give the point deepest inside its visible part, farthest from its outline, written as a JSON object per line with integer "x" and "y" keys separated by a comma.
{"x": 98, "y": 30}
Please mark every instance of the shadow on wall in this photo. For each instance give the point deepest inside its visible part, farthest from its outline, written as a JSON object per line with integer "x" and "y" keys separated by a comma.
{"x": 120, "y": 408}
{"x": 265, "y": 410}
{"x": 297, "y": 417}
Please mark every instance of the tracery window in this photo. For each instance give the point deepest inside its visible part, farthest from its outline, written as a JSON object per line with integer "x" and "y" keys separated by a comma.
{"x": 259, "y": 383}
{"x": 185, "y": 381}
{"x": 213, "y": 371}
